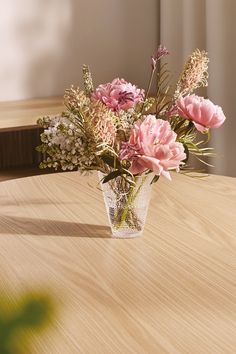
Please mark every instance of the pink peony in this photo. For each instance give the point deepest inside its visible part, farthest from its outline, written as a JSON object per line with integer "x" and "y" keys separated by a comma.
{"x": 152, "y": 146}
{"x": 201, "y": 111}
{"x": 118, "y": 94}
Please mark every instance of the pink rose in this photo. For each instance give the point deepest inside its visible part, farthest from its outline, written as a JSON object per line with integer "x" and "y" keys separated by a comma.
{"x": 152, "y": 146}
{"x": 202, "y": 112}
{"x": 118, "y": 95}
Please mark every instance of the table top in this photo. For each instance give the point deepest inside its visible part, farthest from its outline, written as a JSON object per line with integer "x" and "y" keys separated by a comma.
{"x": 19, "y": 115}
{"x": 172, "y": 290}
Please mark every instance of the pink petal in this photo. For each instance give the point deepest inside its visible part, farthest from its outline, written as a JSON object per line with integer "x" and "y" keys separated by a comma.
{"x": 166, "y": 174}
{"x": 201, "y": 128}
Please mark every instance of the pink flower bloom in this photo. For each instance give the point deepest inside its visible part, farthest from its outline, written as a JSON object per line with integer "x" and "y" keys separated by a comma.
{"x": 152, "y": 146}
{"x": 201, "y": 111}
{"x": 118, "y": 95}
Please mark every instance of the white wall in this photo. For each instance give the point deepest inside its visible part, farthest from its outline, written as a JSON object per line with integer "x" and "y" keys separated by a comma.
{"x": 45, "y": 42}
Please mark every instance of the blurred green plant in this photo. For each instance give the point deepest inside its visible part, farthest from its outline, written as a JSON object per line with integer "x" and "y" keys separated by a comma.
{"x": 21, "y": 319}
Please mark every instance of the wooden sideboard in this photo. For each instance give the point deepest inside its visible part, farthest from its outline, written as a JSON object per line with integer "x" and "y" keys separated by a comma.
{"x": 19, "y": 134}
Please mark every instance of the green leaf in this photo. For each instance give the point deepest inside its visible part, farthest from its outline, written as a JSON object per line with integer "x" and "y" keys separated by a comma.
{"x": 111, "y": 161}
{"x": 155, "y": 179}
{"x": 186, "y": 150}
{"x": 32, "y": 312}
{"x": 111, "y": 175}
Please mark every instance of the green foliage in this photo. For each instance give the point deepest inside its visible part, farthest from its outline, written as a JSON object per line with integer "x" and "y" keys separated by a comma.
{"x": 20, "y": 319}
{"x": 111, "y": 176}
{"x": 122, "y": 172}
{"x": 111, "y": 161}
{"x": 155, "y": 179}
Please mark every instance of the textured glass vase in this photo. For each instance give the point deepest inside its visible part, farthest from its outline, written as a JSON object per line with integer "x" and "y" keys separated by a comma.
{"x": 127, "y": 205}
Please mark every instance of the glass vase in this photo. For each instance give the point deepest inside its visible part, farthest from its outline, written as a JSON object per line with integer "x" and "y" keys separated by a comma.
{"x": 127, "y": 204}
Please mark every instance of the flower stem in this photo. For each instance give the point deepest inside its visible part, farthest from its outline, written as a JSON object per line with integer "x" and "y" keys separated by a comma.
{"x": 131, "y": 197}
{"x": 126, "y": 209}
{"x": 148, "y": 89}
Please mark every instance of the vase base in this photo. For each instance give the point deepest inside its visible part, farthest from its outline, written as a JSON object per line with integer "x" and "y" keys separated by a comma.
{"x": 126, "y": 234}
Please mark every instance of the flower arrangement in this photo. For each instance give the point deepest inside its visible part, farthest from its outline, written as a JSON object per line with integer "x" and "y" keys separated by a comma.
{"x": 131, "y": 137}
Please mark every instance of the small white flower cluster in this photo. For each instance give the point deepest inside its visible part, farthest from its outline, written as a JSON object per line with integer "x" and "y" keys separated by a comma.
{"x": 126, "y": 120}
{"x": 63, "y": 142}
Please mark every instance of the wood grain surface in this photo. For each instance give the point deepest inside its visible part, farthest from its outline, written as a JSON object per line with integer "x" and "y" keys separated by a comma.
{"x": 173, "y": 290}
{"x": 20, "y": 172}
{"x": 17, "y": 115}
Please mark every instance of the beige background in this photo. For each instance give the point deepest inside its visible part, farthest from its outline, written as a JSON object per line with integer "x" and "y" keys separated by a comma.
{"x": 209, "y": 25}
{"x": 46, "y": 42}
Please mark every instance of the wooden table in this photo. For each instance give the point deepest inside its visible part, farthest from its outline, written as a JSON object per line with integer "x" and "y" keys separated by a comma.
{"x": 171, "y": 291}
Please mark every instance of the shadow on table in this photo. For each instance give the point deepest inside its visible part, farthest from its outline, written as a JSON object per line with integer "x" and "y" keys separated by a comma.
{"x": 41, "y": 227}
